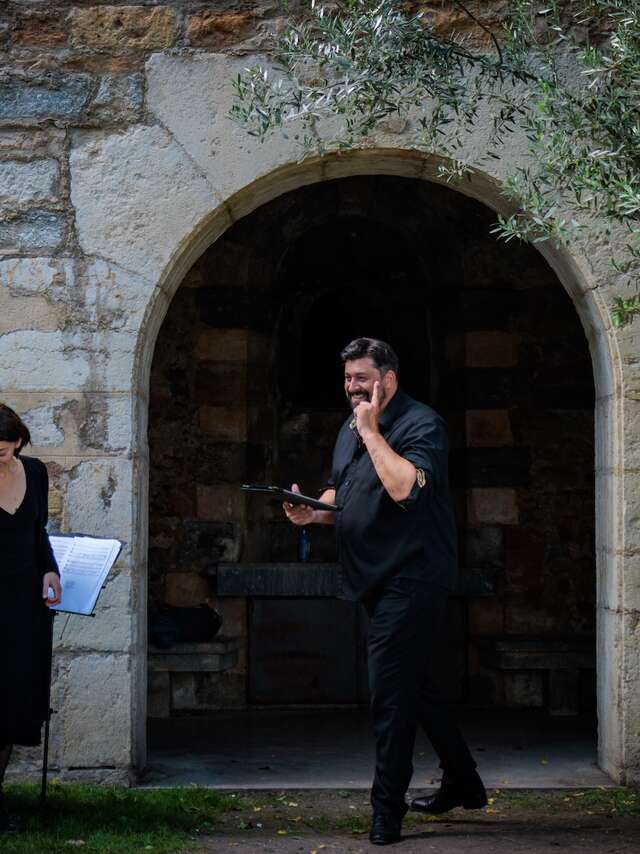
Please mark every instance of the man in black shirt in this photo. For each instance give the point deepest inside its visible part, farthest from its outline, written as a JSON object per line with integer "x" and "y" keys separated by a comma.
{"x": 397, "y": 552}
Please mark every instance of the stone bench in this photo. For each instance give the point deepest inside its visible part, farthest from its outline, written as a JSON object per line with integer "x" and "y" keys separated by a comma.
{"x": 214, "y": 656}
{"x": 562, "y": 659}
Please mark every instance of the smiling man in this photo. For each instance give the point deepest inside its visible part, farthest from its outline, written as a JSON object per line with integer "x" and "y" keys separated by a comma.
{"x": 397, "y": 551}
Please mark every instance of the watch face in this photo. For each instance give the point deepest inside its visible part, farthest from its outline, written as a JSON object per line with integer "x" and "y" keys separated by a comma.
{"x": 421, "y": 478}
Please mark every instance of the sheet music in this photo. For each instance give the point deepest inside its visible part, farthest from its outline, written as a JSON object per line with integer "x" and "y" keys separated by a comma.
{"x": 84, "y": 566}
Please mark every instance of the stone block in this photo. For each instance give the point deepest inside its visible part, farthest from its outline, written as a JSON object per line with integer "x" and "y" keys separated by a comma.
{"x": 221, "y": 503}
{"x": 488, "y": 428}
{"x": 119, "y": 98}
{"x": 218, "y": 29}
{"x": 56, "y": 97}
{"x": 45, "y": 29}
{"x": 486, "y": 617}
{"x": 138, "y": 170}
{"x": 491, "y": 350}
{"x": 234, "y": 616}
{"x": 207, "y": 543}
{"x": 484, "y": 546}
{"x": 485, "y": 467}
{"x": 99, "y": 498}
{"x": 111, "y": 629}
{"x": 122, "y": 27}
{"x": 26, "y": 183}
{"x": 186, "y": 589}
{"x": 225, "y": 345}
{"x": 493, "y": 507}
{"x": 223, "y": 423}
{"x": 159, "y": 694}
{"x": 524, "y": 690}
{"x": 36, "y": 231}
{"x": 95, "y": 724}
{"x": 220, "y": 382}
{"x": 75, "y": 360}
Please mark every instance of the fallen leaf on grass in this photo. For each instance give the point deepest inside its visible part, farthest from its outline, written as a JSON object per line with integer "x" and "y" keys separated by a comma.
{"x": 76, "y": 843}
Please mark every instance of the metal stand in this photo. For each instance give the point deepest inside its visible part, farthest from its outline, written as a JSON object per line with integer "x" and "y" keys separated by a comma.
{"x": 50, "y": 711}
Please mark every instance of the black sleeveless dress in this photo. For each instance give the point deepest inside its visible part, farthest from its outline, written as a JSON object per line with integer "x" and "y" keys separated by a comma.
{"x": 25, "y": 622}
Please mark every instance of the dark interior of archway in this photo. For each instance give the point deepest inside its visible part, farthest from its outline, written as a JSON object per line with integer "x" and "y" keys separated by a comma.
{"x": 246, "y": 386}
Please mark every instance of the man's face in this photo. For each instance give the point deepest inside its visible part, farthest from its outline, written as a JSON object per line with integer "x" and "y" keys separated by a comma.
{"x": 359, "y": 377}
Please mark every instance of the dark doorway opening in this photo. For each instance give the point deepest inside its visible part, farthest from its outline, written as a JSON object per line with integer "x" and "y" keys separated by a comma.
{"x": 246, "y": 386}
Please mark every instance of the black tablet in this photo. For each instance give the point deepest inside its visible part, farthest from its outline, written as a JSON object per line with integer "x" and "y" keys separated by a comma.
{"x": 287, "y": 495}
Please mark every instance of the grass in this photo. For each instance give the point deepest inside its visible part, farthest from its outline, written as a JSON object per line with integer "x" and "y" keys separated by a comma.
{"x": 111, "y": 820}
{"x": 126, "y": 821}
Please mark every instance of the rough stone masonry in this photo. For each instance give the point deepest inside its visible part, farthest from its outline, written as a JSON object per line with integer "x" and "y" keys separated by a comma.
{"x": 118, "y": 168}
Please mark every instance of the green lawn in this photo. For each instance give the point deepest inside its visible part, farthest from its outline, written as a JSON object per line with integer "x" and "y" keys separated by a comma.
{"x": 112, "y": 821}
{"x": 124, "y": 821}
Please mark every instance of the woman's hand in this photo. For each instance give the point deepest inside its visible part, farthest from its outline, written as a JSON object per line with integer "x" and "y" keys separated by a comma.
{"x": 299, "y": 514}
{"x": 51, "y": 580}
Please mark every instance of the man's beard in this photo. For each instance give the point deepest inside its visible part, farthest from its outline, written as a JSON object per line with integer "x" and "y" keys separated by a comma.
{"x": 366, "y": 398}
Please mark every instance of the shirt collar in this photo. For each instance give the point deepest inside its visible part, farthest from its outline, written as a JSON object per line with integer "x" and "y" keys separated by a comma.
{"x": 394, "y": 408}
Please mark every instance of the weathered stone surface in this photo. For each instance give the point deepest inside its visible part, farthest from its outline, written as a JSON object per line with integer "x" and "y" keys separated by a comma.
{"x": 119, "y": 98}
{"x": 118, "y": 27}
{"x": 40, "y": 29}
{"x": 36, "y": 231}
{"x": 218, "y": 29}
{"x": 57, "y": 97}
{"x": 493, "y": 506}
{"x": 24, "y": 183}
{"x": 220, "y": 503}
{"x": 110, "y": 630}
{"x": 96, "y": 721}
{"x": 230, "y": 345}
{"x": 200, "y": 123}
{"x": 488, "y": 428}
{"x": 224, "y": 423}
{"x": 99, "y": 498}
{"x": 137, "y": 171}
{"x": 75, "y": 360}
{"x": 491, "y": 350}
{"x": 186, "y": 589}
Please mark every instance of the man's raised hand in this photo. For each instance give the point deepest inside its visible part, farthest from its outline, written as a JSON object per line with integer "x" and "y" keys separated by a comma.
{"x": 298, "y": 514}
{"x": 368, "y": 413}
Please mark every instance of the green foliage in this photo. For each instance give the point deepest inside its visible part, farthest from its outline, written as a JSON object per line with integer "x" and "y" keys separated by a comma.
{"x": 564, "y": 75}
{"x": 111, "y": 821}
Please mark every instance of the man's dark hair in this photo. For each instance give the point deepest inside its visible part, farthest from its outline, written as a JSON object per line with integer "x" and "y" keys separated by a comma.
{"x": 13, "y": 428}
{"x": 380, "y": 353}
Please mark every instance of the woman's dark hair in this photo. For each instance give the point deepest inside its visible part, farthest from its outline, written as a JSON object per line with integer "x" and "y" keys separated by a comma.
{"x": 13, "y": 428}
{"x": 380, "y": 353}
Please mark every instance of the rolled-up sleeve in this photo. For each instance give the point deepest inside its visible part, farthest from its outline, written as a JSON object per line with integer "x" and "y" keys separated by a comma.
{"x": 425, "y": 444}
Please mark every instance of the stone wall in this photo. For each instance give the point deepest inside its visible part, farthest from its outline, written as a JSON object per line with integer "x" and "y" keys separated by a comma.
{"x": 118, "y": 168}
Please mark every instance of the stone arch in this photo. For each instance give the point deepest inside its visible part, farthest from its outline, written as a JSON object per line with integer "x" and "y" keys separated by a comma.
{"x": 618, "y": 682}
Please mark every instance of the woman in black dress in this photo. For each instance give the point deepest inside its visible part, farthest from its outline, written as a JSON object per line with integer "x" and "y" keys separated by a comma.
{"x": 29, "y": 582}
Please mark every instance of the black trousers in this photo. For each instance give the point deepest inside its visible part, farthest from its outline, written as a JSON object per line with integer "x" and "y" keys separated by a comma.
{"x": 406, "y": 633}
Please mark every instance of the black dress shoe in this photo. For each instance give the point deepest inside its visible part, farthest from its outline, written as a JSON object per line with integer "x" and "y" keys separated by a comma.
{"x": 471, "y": 796}
{"x": 385, "y": 829}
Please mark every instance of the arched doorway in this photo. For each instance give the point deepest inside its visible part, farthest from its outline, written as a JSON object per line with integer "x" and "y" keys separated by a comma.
{"x": 491, "y": 339}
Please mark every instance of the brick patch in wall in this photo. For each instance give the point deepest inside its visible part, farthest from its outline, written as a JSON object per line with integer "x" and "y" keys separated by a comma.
{"x": 119, "y": 27}
{"x": 488, "y": 428}
{"x": 491, "y": 350}
{"x": 492, "y": 507}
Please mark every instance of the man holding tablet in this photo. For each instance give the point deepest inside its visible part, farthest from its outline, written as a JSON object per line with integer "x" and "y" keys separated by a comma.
{"x": 397, "y": 551}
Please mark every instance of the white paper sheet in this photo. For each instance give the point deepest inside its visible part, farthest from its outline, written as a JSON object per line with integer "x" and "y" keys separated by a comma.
{"x": 84, "y": 564}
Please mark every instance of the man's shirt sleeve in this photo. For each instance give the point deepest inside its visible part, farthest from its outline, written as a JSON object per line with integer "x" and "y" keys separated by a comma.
{"x": 425, "y": 444}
